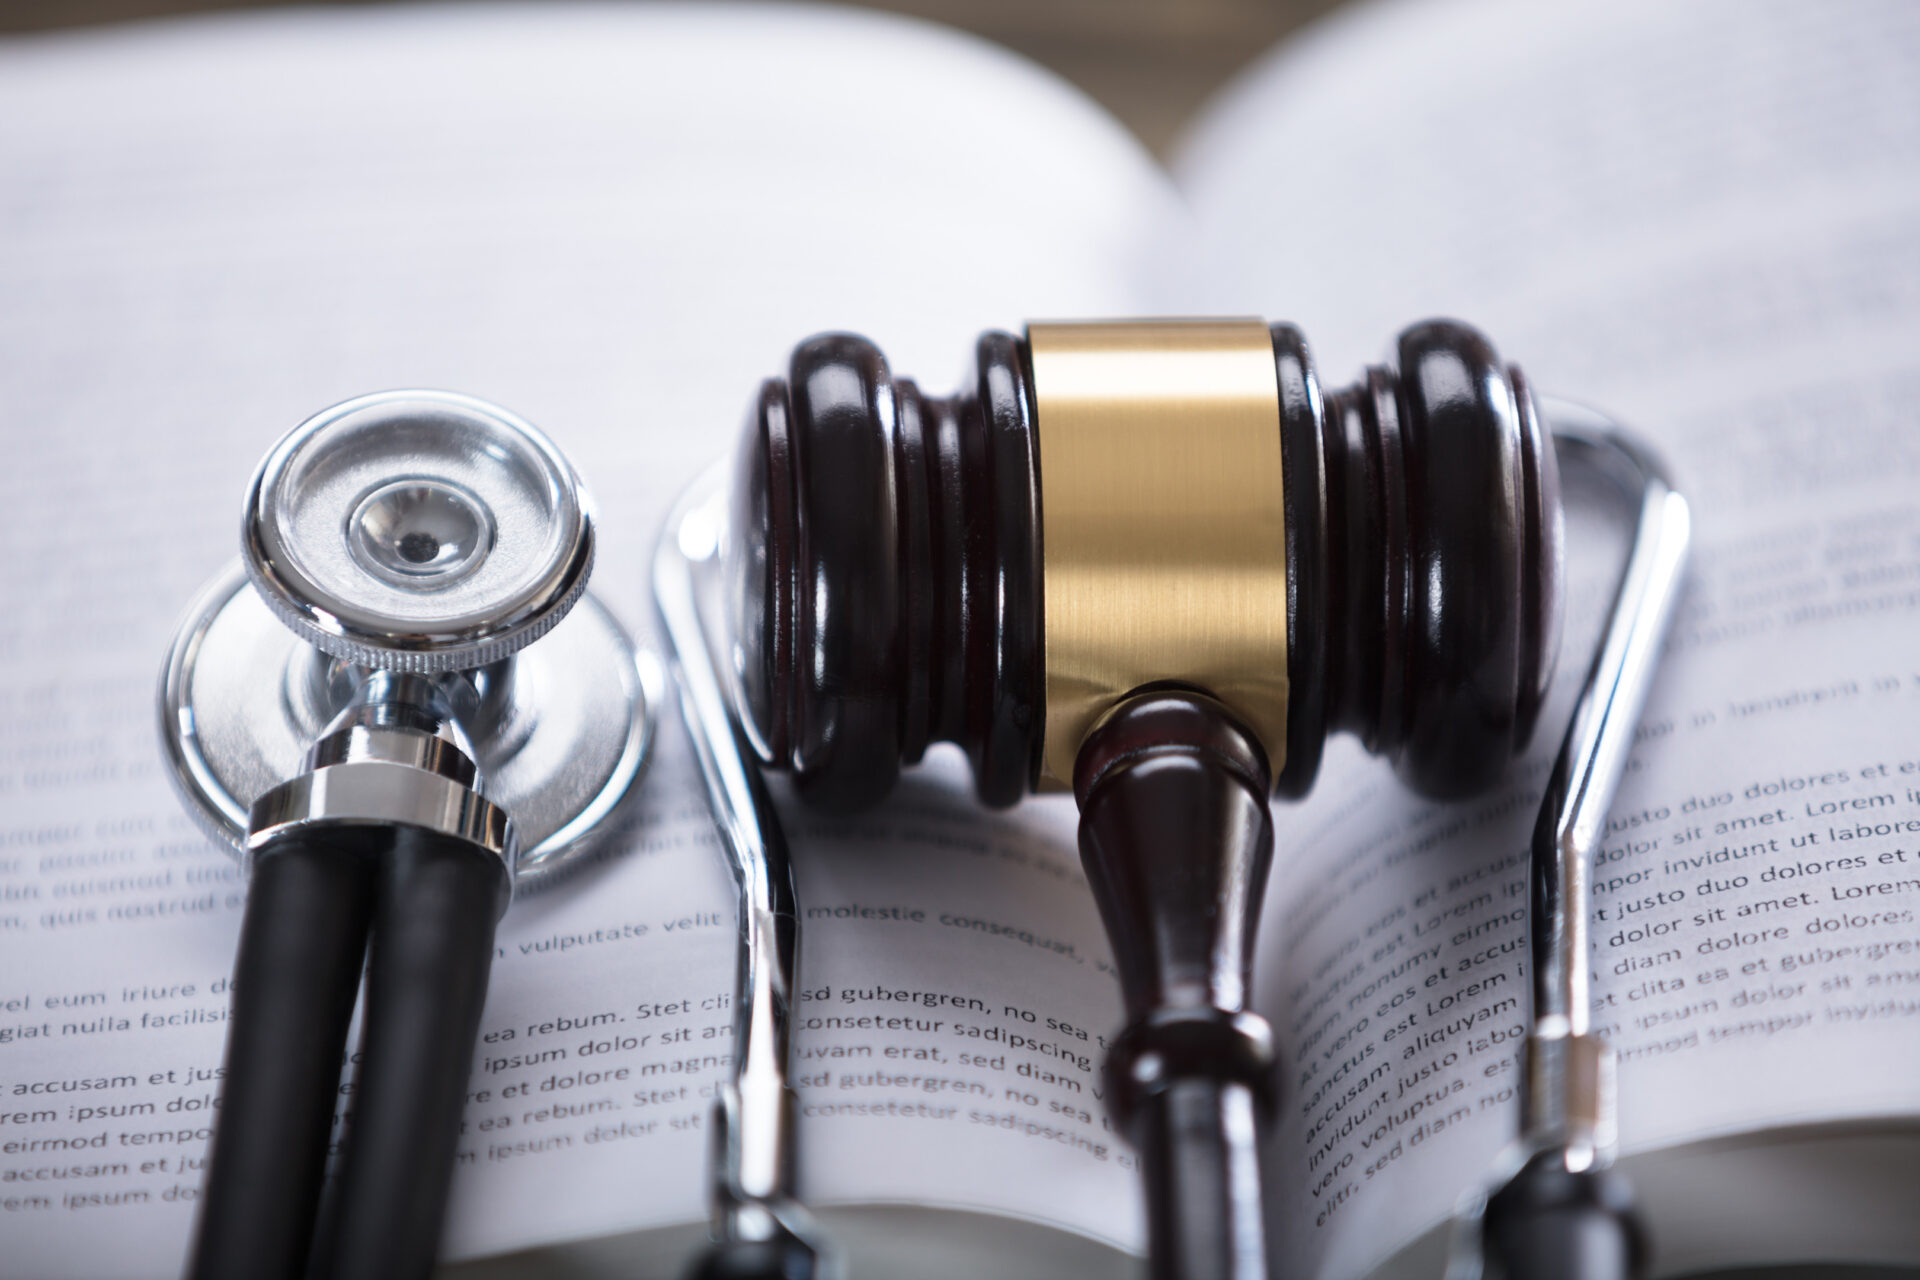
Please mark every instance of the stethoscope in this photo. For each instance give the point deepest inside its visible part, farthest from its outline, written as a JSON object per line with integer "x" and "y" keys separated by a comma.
{"x": 1556, "y": 1207}
{"x": 359, "y": 709}
{"x": 349, "y": 709}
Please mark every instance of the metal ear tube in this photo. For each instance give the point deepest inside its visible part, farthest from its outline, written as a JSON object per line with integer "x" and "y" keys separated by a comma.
{"x": 354, "y": 709}
{"x": 761, "y": 1230}
{"x": 1560, "y": 1209}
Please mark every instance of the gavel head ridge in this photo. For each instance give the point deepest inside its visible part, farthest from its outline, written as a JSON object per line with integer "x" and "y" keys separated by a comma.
{"x": 1108, "y": 507}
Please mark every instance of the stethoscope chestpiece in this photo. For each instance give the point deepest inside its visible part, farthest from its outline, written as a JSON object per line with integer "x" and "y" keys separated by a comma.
{"x": 417, "y": 531}
{"x": 358, "y": 706}
{"x": 430, "y": 535}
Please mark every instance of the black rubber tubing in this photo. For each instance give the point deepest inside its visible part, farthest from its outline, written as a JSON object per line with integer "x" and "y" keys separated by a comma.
{"x": 785, "y": 1257}
{"x": 1553, "y": 1224}
{"x": 438, "y": 901}
{"x": 302, "y": 940}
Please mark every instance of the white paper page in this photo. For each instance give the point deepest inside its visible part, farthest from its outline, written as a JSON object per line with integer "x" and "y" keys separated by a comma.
{"x": 1707, "y": 219}
{"x": 614, "y": 221}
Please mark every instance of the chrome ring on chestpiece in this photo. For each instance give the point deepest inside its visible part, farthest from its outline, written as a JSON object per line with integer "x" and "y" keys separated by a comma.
{"x": 425, "y": 533}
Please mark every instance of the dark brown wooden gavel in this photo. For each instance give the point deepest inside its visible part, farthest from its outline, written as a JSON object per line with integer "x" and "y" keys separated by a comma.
{"x": 1156, "y": 564}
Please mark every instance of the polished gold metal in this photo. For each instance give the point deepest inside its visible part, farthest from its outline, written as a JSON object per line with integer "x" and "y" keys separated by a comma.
{"x": 1163, "y": 523}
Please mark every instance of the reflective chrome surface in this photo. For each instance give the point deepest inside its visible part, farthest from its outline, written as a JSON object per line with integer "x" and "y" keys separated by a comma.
{"x": 401, "y": 719}
{"x": 378, "y": 792}
{"x": 753, "y": 1189}
{"x": 417, "y": 531}
{"x": 1568, "y": 1102}
{"x": 1570, "y": 1094}
{"x": 560, "y": 733}
{"x": 420, "y": 534}
{"x": 395, "y": 754}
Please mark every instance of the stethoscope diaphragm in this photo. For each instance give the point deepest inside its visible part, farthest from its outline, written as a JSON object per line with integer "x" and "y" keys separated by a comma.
{"x": 425, "y": 532}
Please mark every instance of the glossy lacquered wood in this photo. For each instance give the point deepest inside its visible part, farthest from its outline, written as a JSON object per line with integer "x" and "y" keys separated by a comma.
{"x": 1176, "y": 841}
{"x": 1431, "y": 549}
{"x": 888, "y": 565}
{"x": 887, "y": 571}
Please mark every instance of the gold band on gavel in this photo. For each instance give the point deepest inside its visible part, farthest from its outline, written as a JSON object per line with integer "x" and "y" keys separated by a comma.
{"x": 1163, "y": 526}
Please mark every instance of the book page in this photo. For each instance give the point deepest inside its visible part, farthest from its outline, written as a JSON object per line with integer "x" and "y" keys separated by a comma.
{"x": 1705, "y": 218}
{"x": 615, "y": 222}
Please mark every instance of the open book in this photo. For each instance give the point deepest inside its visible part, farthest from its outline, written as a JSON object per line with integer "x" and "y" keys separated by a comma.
{"x": 1705, "y": 218}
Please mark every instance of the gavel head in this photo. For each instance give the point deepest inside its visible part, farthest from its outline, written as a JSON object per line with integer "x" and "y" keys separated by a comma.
{"x": 1109, "y": 507}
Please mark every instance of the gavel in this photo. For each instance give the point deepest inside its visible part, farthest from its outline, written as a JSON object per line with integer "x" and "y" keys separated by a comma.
{"x": 1154, "y": 563}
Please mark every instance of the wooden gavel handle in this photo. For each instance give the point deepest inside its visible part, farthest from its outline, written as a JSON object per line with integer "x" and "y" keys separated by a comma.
{"x": 1176, "y": 840}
